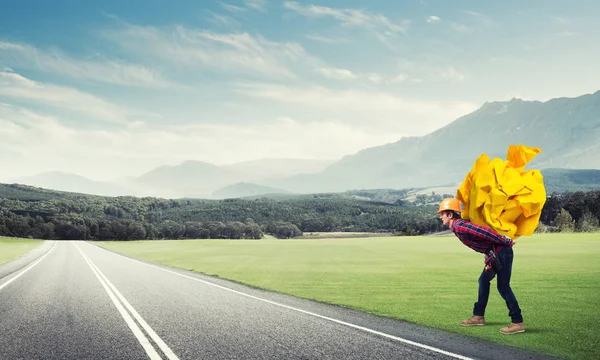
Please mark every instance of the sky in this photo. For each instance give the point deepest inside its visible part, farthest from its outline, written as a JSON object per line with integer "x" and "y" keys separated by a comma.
{"x": 108, "y": 89}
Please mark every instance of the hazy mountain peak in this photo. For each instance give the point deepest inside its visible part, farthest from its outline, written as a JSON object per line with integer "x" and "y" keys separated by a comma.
{"x": 63, "y": 181}
{"x": 566, "y": 129}
{"x": 52, "y": 174}
{"x": 245, "y": 189}
{"x": 189, "y": 163}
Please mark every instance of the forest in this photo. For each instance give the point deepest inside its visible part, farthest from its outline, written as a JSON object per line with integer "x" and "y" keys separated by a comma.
{"x": 27, "y": 211}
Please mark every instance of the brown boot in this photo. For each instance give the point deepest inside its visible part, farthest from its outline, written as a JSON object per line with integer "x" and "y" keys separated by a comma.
{"x": 513, "y": 328}
{"x": 475, "y": 320}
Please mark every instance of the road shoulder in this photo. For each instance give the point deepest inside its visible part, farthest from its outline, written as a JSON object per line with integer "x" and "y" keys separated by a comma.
{"x": 29, "y": 257}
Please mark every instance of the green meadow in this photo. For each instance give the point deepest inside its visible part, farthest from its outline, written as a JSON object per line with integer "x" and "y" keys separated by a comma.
{"x": 12, "y": 248}
{"x": 426, "y": 280}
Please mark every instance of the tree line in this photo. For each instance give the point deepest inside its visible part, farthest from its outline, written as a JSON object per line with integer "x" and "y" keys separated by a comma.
{"x": 31, "y": 212}
{"x": 577, "y": 211}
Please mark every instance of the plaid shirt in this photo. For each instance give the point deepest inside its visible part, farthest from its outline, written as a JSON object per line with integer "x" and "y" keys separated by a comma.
{"x": 479, "y": 238}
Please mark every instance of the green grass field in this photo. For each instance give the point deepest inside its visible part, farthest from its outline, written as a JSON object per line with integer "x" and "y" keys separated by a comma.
{"x": 12, "y": 248}
{"x": 426, "y": 280}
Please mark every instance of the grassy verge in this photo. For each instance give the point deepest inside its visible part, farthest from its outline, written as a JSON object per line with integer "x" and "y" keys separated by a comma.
{"x": 426, "y": 280}
{"x": 12, "y": 248}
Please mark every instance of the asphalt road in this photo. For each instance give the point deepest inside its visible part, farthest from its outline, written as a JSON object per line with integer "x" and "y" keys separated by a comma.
{"x": 74, "y": 300}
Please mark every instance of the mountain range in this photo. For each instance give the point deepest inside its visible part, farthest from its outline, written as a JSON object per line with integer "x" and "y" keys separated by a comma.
{"x": 566, "y": 129}
{"x": 191, "y": 179}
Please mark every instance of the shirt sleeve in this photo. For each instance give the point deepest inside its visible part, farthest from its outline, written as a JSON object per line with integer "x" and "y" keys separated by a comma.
{"x": 484, "y": 233}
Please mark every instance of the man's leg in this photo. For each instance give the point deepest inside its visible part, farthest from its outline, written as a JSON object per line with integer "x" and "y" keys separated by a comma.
{"x": 504, "y": 275}
{"x": 482, "y": 300}
{"x": 483, "y": 293}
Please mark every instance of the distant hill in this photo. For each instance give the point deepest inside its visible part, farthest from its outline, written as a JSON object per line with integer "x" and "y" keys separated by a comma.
{"x": 375, "y": 196}
{"x": 49, "y": 214}
{"x": 74, "y": 183}
{"x": 277, "y": 168}
{"x": 28, "y": 193}
{"x": 566, "y": 129}
{"x": 190, "y": 179}
{"x": 204, "y": 180}
{"x": 244, "y": 189}
{"x": 555, "y": 180}
{"x": 569, "y": 180}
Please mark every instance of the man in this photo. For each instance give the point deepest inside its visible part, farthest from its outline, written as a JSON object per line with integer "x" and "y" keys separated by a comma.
{"x": 484, "y": 239}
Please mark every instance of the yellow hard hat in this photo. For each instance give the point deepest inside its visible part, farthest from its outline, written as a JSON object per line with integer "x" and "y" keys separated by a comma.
{"x": 450, "y": 204}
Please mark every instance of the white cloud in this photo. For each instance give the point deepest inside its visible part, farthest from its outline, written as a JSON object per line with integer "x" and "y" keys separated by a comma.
{"x": 326, "y": 39}
{"x": 339, "y": 74}
{"x": 480, "y": 17}
{"x": 558, "y": 19}
{"x": 323, "y": 138}
{"x": 348, "y": 17}
{"x": 567, "y": 33}
{"x": 402, "y": 78}
{"x": 383, "y": 27}
{"x": 18, "y": 87}
{"x": 372, "y": 110}
{"x": 108, "y": 71}
{"x": 232, "y": 53}
{"x": 451, "y": 74}
{"x": 375, "y": 78}
{"x": 319, "y": 97}
{"x": 230, "y": 7}
{"x": 461, "y": 28}
{"x": 345, "y": 74}
{"x": 256, "y": 4}
{"x": 15, "y": 121}
{"x": 99, "y": 154}
{"x": 427, "y": 69}
{"x": 473, "y": 22}
{"x": 432, "y": 19}
{"x": 480, "y": 20}
{"x": 225, "y": 21}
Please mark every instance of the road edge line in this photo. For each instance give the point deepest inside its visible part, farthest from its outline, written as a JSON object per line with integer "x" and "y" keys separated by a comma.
{"x": 27, "y": 268}
{"x": 137, "y": 332}
{"x": 157, "y": 339}
{"x": 393, "y": 337}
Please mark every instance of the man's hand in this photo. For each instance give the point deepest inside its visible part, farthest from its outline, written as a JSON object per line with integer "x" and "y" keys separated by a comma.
{"x": 511, "y": 242}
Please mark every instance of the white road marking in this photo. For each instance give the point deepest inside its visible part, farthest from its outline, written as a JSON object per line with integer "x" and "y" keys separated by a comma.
{"x": 27, "y": 268}
{"x": 112, "y": 291}
{"x": 406, "y": 341}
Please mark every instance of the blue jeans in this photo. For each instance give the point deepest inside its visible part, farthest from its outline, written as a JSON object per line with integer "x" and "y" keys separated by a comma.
{"x": 506, "y": 258}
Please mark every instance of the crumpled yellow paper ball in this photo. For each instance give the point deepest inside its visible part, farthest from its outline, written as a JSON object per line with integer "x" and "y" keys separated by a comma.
{"x": 501, "y": 195}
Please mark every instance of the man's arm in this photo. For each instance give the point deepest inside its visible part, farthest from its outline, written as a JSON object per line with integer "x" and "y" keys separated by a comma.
{"x": 485, "y": 233}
